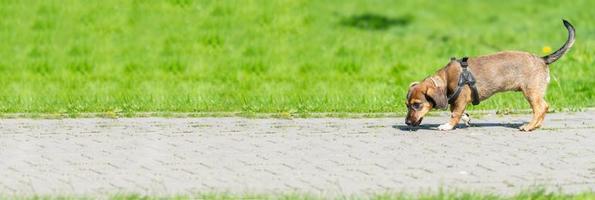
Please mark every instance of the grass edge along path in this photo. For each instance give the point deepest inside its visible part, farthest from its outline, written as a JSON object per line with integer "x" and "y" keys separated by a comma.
{"x": 441, "y": 194}
{"x": 280, "y": 115}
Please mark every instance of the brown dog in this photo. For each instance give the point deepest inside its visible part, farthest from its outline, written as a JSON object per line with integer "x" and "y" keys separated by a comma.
{"x": 499, "y": 72}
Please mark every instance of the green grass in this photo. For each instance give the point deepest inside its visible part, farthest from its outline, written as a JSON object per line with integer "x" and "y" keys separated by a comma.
{"x": 270, "y": 56}
{"x": 441, "y": 195}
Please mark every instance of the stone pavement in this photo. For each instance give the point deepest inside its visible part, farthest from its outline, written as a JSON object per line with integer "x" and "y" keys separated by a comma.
{"x": 321, "y": 156}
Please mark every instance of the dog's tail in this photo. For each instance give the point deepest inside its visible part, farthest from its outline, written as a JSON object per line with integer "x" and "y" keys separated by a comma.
{"x": 560, "y": 52}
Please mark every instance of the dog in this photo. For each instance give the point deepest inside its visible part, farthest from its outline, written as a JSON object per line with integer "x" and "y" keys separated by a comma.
{"x": 499, "y": 72}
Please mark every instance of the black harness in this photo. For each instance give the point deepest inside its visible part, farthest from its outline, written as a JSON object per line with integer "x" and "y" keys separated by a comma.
{"x": 466, "y": 78}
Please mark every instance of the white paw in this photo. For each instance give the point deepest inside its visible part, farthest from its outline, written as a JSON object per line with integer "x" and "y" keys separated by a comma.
{"x": 445, "y": 127}
{"x": 466, "y": 119}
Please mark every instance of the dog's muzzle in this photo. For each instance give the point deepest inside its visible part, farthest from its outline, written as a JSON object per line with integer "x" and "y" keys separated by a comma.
{"x": 413, "y": 123}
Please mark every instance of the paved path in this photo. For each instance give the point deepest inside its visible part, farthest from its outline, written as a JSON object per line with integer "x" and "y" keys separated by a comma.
{"x": 326, "y": 156}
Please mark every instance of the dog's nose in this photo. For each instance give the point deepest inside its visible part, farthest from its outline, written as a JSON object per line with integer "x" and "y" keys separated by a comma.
{"x": 408, "y": 122}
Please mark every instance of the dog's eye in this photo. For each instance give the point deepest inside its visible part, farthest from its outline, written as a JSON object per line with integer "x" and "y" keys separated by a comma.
{"x": 416, "y": 106}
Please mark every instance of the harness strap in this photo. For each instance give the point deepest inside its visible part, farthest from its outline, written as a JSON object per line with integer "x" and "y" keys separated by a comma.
{"x": 466, "y": 78}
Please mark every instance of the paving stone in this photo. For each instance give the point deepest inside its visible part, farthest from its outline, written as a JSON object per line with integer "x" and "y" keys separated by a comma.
{"x": 324, "y": 156}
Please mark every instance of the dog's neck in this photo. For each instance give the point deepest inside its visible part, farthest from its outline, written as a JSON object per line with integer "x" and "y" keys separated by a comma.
{"x": 439, "y": 81}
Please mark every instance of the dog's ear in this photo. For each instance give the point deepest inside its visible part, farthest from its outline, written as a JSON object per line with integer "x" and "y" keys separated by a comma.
{"x": 409, "y": 92}
{"x": 413, "y": 84}
{"x": 438, "y": 95}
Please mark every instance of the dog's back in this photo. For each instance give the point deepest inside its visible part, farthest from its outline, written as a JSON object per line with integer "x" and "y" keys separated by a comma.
{"x": 508, "y": 71}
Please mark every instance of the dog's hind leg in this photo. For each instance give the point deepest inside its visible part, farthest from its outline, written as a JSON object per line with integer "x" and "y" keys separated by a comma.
{"x": 539, "y": 106}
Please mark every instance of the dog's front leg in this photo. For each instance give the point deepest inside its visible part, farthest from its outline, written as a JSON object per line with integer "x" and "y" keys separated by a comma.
{"x": 457, "y": 110}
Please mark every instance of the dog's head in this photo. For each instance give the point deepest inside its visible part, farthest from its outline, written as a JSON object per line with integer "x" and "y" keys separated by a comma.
{"x": 422, "y": 97}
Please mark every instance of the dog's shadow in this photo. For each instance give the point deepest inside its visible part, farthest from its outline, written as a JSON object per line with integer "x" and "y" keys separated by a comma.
{"x": 459, "y": 126}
